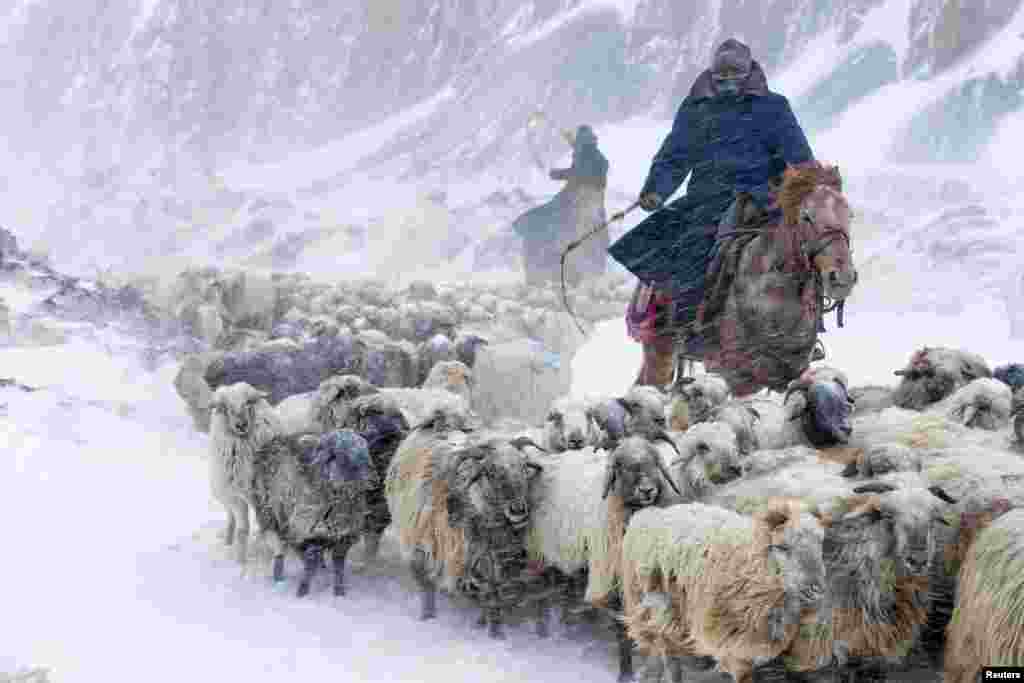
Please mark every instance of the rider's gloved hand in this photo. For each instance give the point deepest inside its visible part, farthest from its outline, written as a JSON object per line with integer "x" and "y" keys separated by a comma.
{"x": 651, "y": 201}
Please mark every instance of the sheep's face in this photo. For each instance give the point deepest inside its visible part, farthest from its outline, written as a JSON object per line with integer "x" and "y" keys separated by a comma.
{"x": 453, "y": 376}
{"x": 567, "y": 428}
{"x": 336, "y": 395}
{"x": 446, "y": 418}
{"x": 901, "y": 524}
{"x": 234, "y": 409}
{"x": 702, "y": 397}
{"x": 467, "y": 348}
{"x": 340, "y": 456}
{"x": 491, "y": 481}
{"x": 387, "y": 366}
{"x": 824, "y": 408}
{"x": 982, "y": 404}
{"x": 645, "y": 412}
{"x": 795, "y": 552}
{"x": 637, "y": 473}
{"x": 932, "y": 375}
{"x": 742, "y": 417}
{"x": 709, "y": 454}
{"x": 380, "y": 421}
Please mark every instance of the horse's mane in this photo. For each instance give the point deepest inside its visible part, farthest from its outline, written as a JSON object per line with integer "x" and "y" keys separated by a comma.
{"x": 799, "y": 181}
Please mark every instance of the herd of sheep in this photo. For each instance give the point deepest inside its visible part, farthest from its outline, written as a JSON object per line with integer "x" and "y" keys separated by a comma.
{"x": 834, "y": 532}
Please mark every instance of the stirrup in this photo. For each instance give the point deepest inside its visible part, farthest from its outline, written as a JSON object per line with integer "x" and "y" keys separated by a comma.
{"x": 819, "y": 351}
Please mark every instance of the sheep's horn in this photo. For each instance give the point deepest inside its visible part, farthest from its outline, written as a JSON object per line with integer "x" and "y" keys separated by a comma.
{"x": 970, "y": 411}
{"x": 875, "y": 487}
{"x": 668, "y": 477}
{"x": 662, "y": 436}
{"x": 795, "y": 387}
{"x": 939, "y": 493}
{"x": 521, "y": 441}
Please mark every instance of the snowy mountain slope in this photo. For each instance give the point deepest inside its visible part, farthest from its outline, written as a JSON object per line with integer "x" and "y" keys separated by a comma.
{"x": 244, "y": 79}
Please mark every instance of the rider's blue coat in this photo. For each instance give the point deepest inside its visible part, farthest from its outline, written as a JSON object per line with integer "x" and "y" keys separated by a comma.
{"x": 730, "y": 144}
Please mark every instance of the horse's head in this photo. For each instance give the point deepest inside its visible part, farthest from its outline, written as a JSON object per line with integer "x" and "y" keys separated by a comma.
{"x": 818, "y": 217}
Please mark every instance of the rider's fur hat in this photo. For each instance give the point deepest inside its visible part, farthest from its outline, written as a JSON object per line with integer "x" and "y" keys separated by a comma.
{"x": 732, "y": 61}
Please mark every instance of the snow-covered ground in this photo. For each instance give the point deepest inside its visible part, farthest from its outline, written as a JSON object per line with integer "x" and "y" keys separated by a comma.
{"x": 115, "y": 570}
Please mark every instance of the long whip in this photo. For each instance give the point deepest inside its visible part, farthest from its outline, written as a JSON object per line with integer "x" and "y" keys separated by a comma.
{"x": 577, "y": 242}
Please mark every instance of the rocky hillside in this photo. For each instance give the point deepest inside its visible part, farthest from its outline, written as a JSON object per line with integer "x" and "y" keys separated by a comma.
{"x": 232, "y": 78}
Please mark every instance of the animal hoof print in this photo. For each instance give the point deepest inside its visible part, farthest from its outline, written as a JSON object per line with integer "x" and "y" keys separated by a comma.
{"x": 339, "y": 591}
{"x": 303, "y": 590}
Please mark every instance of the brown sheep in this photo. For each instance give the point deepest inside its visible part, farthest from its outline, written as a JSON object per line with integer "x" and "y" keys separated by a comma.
{"x": 702, "y": 581}
{"x": 986, "y": 625}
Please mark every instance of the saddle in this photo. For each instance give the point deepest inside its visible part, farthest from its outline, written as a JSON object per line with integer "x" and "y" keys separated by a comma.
{"x": 730, "y": 241}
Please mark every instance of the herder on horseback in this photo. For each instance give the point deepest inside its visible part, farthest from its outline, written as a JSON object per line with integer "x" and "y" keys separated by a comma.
{"x": 737, "y": 138}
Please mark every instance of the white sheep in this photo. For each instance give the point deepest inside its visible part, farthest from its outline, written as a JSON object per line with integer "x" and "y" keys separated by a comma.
{"x": 581, "y": 506}
{"x": 568, "y": 425}
{"x": 453, "y": 376}
{"x": 976, "y": 414}
{"x": 241, "y": 422}
{"x": 191, "y": 386}
{"x": 815, "y": 411}
{"x": 323, "y": 409}
{"x": 983, "y": 403}
{"x": 708, "y": 455}
{"x": 694, "y": 401}
{"x": 704, "y": 581}
{"x": 418, "y": 404}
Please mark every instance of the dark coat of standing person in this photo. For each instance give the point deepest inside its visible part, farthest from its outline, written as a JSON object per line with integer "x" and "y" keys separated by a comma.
{"x": 736, "y": 137}
{"x": 576, "y": 209}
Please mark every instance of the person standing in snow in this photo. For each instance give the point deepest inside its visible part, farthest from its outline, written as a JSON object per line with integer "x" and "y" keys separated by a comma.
{"x": 736, "y": 137}
{"x": 576, "y": 209}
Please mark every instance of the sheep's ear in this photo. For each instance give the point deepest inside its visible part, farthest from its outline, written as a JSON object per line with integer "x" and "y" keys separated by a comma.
{"x": 868, "y": 511}
{"x": 610, "y": 474}
{"x": 533, "y": 469}
{"x": 456, "y": 509}
{"x": 939, "y": 493}
{"x": 773, "y": 517}
{"x": 797, "y": 406}
{"x": 971, "y": 371}
{"x": 824, "y": 518}
{"x": 521, "y": 442}
{"x": 875, "y": 487}
{"x": 850, "y": 470}
{"x": 755, "y": 413}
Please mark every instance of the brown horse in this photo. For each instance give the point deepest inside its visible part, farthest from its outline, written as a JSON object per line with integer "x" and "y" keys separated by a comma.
{"x": 766, "y": 287}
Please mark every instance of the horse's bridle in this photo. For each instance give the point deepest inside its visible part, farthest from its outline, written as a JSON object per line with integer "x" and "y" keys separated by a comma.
{"x": 822, "y": 241}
